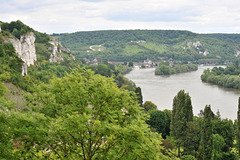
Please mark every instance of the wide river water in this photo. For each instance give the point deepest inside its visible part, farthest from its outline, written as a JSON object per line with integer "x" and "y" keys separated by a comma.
{"x": 162, "y": 89}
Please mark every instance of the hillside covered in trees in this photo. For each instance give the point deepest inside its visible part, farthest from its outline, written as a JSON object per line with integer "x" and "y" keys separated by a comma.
{"x": 138, "y": 45}
{"x": 71, "y": 110}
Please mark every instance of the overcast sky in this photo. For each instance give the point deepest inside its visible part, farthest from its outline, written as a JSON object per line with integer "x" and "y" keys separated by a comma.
{"x": 61, "y": 16}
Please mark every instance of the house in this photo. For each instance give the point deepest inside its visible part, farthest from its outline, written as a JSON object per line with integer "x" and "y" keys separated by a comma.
{"x": 94, "y": 62}
{"x": 147, "y": 63}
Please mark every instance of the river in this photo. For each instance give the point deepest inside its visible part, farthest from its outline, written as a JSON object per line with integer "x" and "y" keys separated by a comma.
{"x": 162, "y": 89}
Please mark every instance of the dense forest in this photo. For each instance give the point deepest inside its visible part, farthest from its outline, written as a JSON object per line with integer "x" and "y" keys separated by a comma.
{"x": 72, "y": 110}
{"x": 138, "y": 45}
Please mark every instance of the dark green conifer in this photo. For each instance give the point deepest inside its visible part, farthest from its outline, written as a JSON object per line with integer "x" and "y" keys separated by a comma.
{"x": 138, "y": 92}
{"x": 238, "y": 127}
{"x": 207, "y": 133}
{"x": 181, "y": 114}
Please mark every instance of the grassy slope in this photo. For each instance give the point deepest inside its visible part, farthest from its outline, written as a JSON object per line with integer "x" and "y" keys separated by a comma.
{"x": 16, "y": 95}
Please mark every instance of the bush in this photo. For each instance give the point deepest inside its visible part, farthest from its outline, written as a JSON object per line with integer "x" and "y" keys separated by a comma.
{"x": 188, "y": 157}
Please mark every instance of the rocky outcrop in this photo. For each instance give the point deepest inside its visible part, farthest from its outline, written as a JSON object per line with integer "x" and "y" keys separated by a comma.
{"x": 194, "y": 44}
{"x": 73, "y": 57}
{"x": 198, "y": 46}
{"x": 237, "y": 54}
{"x": 25, "y": 48}
{"x": 57, "y": 50}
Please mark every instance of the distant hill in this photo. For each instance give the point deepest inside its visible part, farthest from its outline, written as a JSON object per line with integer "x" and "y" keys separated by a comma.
{"x": 137, "y": 45}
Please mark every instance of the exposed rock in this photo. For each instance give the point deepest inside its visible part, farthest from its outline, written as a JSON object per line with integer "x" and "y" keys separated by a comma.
{"x": 205, "y": 52}
{"x": 56, "y": 55}
{"x": 25, "y": 48}
{"x": 57, "y": 50}
{"x": 197, "y": 45}
{"x": 67, "y": 50}
{"x": 73, "y": 57}
{"x": 237, "y": 54}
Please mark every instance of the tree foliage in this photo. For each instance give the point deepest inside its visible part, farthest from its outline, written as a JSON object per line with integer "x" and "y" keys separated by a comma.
{"x": 238, "y": 127}
{"x": 181, "y": 114}
{"x": 157, "y": 121}
{"x": 17, "y": 28}
{"x": 148, "y": 105}
{"x": 138, "y": 45}
{"x": 179, "y": 68}
{"x": 207, "y": 133}
{"x": 79, "y": 116}
{"x": 226, "y": 77}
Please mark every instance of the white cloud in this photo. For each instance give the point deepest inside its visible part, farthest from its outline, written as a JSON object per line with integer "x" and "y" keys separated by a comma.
{"x": 75, "y": 15}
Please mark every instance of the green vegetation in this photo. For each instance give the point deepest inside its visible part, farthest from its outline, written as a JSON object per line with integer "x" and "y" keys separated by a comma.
{"x": 16, "y": 28}
{"x": 207, "y": 134}
{"x": 11, "y": 64}
{"x": 79, "y": 116}
{"x": 226, "y": 77}
{"x": 238, "y": 127}
{"x": 148, "y": 105}
{"x": 181, "y": 114}
{"x": 72, "y": 110}
{"x": 157, "y": 121}
{"x": 164, "y": 69}
{"x": 138, "y": 45}
{"x": 192, "y": 137}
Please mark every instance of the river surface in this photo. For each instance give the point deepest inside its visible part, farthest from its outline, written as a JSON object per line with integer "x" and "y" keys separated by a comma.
{"x": 162, "y": 89}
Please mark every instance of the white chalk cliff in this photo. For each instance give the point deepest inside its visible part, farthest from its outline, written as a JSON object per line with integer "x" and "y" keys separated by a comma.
{"x": 26, "y": 50}
{"x": 57, "y": 49}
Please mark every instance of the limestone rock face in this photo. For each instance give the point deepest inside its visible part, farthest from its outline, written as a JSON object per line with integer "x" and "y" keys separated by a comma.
{"x": 237, "y": 54}
{"x": 57, "y": 49}
{"x": 26, "y": 50}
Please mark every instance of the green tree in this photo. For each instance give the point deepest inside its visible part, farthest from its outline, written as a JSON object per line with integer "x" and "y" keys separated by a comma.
{"x": 157, "y": 121}
{"x": 238, "y": 127}
{"x": 218, "y": 143}
{"x": 91, "y": 118}
{"x": 224, "y": 128}
{"x": 168, "y": 114}
{"x": 181, "y": 114}
{"x": 164, "y": 70}
{"x": 16, "y": 33}
{"x": 148, "y": 105}
{"x": 138, "y": 92}
{"x": 191, "y": 140}
{"x": 188, "y": 157}
{"x": 103, "y": 70}
{"x": 207, "y": 133}
{"x": 236, "y": 65}
{"x": 130, "y": 64}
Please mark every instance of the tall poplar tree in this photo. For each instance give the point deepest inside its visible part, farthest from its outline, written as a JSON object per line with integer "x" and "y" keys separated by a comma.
{"x": 207, "y": 133}
{"x": 238, "y": 127}
{"x": 181, "y": 114}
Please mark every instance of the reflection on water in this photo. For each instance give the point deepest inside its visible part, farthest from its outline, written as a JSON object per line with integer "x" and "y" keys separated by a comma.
{"x": 162, "y": 89}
